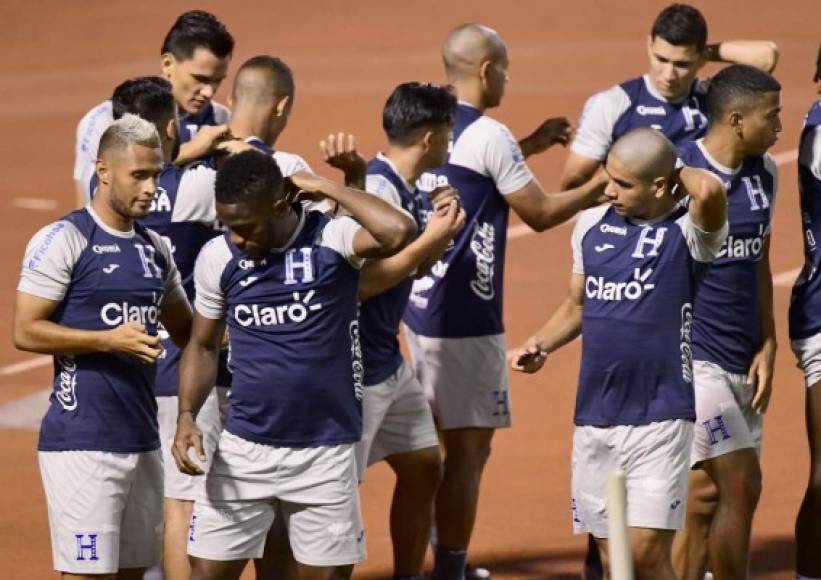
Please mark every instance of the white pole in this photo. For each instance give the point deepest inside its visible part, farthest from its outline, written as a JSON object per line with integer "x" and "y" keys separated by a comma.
{"x": 618, "y": 544}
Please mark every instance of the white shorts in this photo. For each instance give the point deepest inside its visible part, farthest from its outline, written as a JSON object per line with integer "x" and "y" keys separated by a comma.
{"x": 314, "y": 488}
{"x": 178, "y": 485}
{"x": 655, "y": 459}
{"x": 105, "y": 509}
{"x": 465, "y": 379}
{"x": 808, "y": 353}
{"x": 396, "y": 418}
{"x": 725, "y": 419}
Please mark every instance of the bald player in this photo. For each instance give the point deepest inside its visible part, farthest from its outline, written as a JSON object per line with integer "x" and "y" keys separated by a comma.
{"x": 668, "y": 97}
{"x": 635, "y": 270}
{"x": 454, "y": 317}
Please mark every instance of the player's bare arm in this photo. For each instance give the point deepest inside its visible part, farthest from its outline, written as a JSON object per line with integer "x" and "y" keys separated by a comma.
{"x": 557, "y": 130}
{"x": 198, "y": 373}
{"x": 204, "y": 143}
{"x": 763, "y": 365}
{"x": 417, "y": 257}
{"x": 176, "y": 319}
{"x": 542, "y": 211}
{"x": 708, "y": 198}
{"x": 385, "y": 229}
{"x": 563, "y": 326}
{"x": 761, "y": 54}
{"x": 339, "y": 151}
{"x": 578, "y": 169}
{"x": 35, "y": 332}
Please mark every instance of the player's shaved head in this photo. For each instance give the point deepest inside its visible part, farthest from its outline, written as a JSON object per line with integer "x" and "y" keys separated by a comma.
{"x": 262, "y": 80}
{"x": 468, "y": 46}
{"x": 645, "y": 153}
{"x": 126, "y": 131}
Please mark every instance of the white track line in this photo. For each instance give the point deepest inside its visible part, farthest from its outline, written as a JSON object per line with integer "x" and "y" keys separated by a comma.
{"x": 26, "y": 365}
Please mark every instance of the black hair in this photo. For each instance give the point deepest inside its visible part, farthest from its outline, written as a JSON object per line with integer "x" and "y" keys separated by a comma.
{"x": 415, "y": 106}
{"x": 146, "y": 97}
{"x": 681, "y": 25}
{"x": 735, "y": 83}
{"x": 248, "y": 176}
{"x": 198, "y": 29}
{"x": 276, "y": 67}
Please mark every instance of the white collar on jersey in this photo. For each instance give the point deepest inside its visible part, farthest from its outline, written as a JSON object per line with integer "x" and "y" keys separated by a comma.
{"x": 713, "y": 162}
{"x": 294, "y": 235}
{"x": 108, "y": 229}
{"x": 389, "y": 163}
{"x": 652, "y": 90}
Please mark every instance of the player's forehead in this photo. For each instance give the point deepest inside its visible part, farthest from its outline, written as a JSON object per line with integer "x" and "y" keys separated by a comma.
{"x": 673, "y": 52}
{"x": 135, "y": 156}
{"x": 240, "y": 213}
{"x": 203, "y": 61}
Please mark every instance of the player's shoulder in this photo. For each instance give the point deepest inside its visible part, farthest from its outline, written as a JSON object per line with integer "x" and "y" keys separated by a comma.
{"x": 688, "y": 151}
{"x": 614, "y": 100}
{"x": 588, "y": 219}
{"x": 100, "y": 110}
{"x": 222, "y": 114}
{"x": 814, "y": 115}
{"x": 290, "y": 163}
{"x": 482, "y": 136}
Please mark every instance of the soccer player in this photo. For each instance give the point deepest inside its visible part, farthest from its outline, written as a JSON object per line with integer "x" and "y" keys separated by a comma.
{"x": 183, "y": 214}
{"x": 454, "y": 316}
{"x": 397, "y": 421}
{"x": 734, "y": 339}
{"x": 632, "y": 291}
{"x": 93, "y": 289}
{"x": 285, "y": 280}
{"x": 668, "y": 97}
{"x": 194, "y": 58}
{"x": 805, "y": 333}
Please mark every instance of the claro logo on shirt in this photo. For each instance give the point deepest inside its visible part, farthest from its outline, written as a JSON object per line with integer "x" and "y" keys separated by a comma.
{"x": 117, "y": 313}
{"x": 741, "y": 248}
{"x": 259, "y": 315}
{"x": 597, "y": 288}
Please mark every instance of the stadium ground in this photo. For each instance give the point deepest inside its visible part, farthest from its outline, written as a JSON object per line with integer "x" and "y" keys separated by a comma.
{"x": 61, "y": 58}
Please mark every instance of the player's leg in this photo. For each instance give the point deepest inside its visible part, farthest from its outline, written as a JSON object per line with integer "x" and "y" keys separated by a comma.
{"x": 593, "y": 565}
{"x": 202, "y": 569}
{"x": 738, "y": 479}
{"x": 651, "y": 549}
{"x": 277, "y": 562}
{"x": 691, "y": 543}
{"x": 181, "y": 490}
{"x": 808, "y": 524}
{"x": 417, "y": 477}
{"x": 324, "y": 572}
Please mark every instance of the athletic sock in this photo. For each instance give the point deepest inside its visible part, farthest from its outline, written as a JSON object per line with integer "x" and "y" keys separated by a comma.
{"x": 449, "y": 564}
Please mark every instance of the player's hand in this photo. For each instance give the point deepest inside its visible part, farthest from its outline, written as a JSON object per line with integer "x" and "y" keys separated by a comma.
{"x": 443, "y": 195}
{"x": 760, "y": 376}
{"x": 445, "y": 222}
{"x": 557, "y": 130}
{"x": 132, "y": 339}
{"x": 203, "y": 143}
{"x": 598, "y": 183}
{"x": 233, "y": 146}
{"x": 188, "y": 435}
{"x": 339, "y": 151}
{"x": 528, "y": 358}
{"x": 306, "y": 185}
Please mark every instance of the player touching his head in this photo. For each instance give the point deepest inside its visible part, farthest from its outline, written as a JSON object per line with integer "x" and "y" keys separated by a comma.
{"x": 94, "y": 288}
{"x": 635, "y": 270}
{"x": 194, "y": 58}
{"x": 734, "y": 339}
{"x": 668, "y": 97}
{"x": 805, "y": 334}
{"x": 285, "y": 282}
{"x": 397, "y": 421}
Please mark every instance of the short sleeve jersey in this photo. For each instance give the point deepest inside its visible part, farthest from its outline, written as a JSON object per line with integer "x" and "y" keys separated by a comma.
{"x": 640, "y": 281}
{"x": 726, "y": 321}
{"x": 805, "y": 307}
{"x": 610, "y": 114}
{"x": 380, "y": 315}
{"x": 102, "y": 278}
{"x": 94, "y": 123}
{"x": 296, "y": 353}
{"x": 462, "y": 295}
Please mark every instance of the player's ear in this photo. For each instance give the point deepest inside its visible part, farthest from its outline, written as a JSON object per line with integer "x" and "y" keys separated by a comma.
{"x": 103, "y": 171}
{"x": 167, "y": 62}
{"x": 661, "y": 185}
{"x": 483, "y": 72}
{"x": 427, "y": 139}
{"x": 736, "y": 121}
{"x": 171, "y": 129}
{"x": 282, "y": 106}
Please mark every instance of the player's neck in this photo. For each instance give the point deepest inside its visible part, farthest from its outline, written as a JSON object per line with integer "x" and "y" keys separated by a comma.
{"x": 469, "y": 92}
{"x": 724, "y": 146}
{"x": 245, "y": 124}
{"x": 407, "y": 162}
{"x": 102, "y": 207}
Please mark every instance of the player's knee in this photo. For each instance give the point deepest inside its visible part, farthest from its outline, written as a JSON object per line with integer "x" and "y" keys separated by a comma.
{"x": 422, "y": 471}
{"x": 651, "y": 557}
